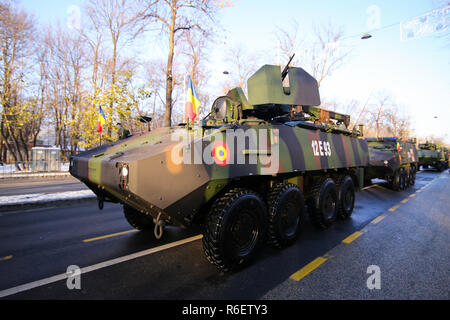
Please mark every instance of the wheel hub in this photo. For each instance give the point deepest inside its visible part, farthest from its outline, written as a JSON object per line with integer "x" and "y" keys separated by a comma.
{"x": 244, "y": 232}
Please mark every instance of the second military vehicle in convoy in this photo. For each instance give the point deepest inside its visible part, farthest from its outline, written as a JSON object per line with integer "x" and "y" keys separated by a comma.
{"x": 393, "y": 160}
{"x": 432, "y": 155}
{"x": 447, "y": 157}
{"x": 246, "y": 172}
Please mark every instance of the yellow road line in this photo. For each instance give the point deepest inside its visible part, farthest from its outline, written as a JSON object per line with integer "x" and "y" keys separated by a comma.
{"x": 303, "y": 272}
{"x": 413, "y": 195}
{"x": 109, "y": 235}
{"x": 377, "y": 219}
{"x": 6, "y": 258}
{"x": 352, "y": 237}
{"x": 394, "y": 208}
{"x": 404, "y": 200}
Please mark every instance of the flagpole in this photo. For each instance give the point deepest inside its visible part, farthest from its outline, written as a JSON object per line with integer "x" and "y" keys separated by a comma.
{"x": 185, "y": 96}
{"x": 185, "y": 101}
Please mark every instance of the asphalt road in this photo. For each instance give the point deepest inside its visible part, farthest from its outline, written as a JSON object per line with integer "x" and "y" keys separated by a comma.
{"x": 12, "y": 187}
{"x": 40, "y": 244}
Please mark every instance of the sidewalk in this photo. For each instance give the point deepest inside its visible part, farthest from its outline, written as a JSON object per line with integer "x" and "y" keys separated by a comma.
{"x": 407, "y": 249}
{"x": 21, "y": 194}
{"x": 33, "y": 175}
{"x": 37, "y": 200}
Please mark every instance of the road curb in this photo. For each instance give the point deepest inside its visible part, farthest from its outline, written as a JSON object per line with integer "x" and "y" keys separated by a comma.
{"x": 31, "y": 176}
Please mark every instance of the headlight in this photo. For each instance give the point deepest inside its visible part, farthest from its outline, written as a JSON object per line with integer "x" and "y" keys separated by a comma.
{"x": 124, "y": 171}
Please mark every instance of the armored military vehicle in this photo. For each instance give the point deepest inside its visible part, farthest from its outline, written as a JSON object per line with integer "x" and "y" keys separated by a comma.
{"x": 244, "y": 172}
{"x": 393, "y": 160}
{"x": 432, "y": 155}
{"x": 447, "y": 157}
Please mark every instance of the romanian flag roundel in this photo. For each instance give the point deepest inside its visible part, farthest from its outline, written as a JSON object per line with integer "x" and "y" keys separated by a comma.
{"x": 221, "y": 153}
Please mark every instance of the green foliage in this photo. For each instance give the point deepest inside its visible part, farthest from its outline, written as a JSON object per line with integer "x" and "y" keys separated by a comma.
{"x": 118, "y": 102}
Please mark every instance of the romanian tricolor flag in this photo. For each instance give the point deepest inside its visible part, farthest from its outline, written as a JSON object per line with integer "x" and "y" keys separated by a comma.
{"x": 192, "y": 101}
{"x": 101, "y": 120}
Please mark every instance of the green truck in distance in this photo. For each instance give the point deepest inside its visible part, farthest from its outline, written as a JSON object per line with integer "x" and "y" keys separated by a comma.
{"x": 393, "y": 160}
{"x": 432, "y": 155}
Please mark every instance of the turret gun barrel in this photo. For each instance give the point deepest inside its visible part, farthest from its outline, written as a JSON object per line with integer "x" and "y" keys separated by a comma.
{"x": 286, "y": 69}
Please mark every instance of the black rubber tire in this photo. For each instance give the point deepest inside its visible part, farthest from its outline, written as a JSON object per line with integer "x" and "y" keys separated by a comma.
{"x": 412, "y": 175}
{"x": 237, "y": 211}
{"x": 346, "y": 197}
{"x": 403, "y": 179}
{"x": 396, "y": 180}
{"x": 405, "y": 172}
{"x": 138, "y": 220}
{"x": 323, "y": 203}
{"x": 285, "y": 209}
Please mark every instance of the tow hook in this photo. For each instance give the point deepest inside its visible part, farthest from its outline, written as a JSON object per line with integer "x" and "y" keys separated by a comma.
{"x": 159, "y": 227}
{"x": 100, "y": 203}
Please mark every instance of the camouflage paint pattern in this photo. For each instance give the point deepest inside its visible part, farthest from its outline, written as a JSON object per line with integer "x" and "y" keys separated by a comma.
{"x": 158, "y": 183}
{"x": 431, "y": 154}
{"x": 155, "y": 183}
{"x": 265, "y": 87}
{"x": 387, "y": 155}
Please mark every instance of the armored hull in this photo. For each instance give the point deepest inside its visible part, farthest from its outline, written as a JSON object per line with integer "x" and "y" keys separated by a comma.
{"x": 433, "y": 155}
{"x": 245, "y": 172}
{"x": 175, "y": 178}
{"x": 393, "y": 160}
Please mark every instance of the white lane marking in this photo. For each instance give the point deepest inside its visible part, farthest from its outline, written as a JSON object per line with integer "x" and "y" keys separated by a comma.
{"x": 43, "y": 282}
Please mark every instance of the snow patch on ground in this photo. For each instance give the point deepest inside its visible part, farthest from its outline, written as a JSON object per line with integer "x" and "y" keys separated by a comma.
{"x": 45, "y": 197}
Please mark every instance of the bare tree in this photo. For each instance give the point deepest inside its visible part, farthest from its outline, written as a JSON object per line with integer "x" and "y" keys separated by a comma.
{"x": 176, "y": 17}
{"x": 63, "y": 65}
{"x": 119, "y": 20}
{"x": 242, "y": 64}
{"x": 154, "y": 69}
{"x": 321, "y": 55}
{"x": 16, "y": 43}
{"x": 398, "y": 123}
{"x": 114, "y": 24}
{"x": 377, "y": 112}
{"x": 196, "y": 51}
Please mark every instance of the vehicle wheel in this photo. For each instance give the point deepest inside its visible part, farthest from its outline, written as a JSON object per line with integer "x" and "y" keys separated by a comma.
{"x": 285, "y": 208}
{"x": 322, "y": 203}
{"x": 346, "y": 197}
{"x": 403, "y": 179}
{"x": 396, "y": 180}
{"x": 234, "y": 229}
{"x": 412, "y": 175}
{"x": 138, "y": 220}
